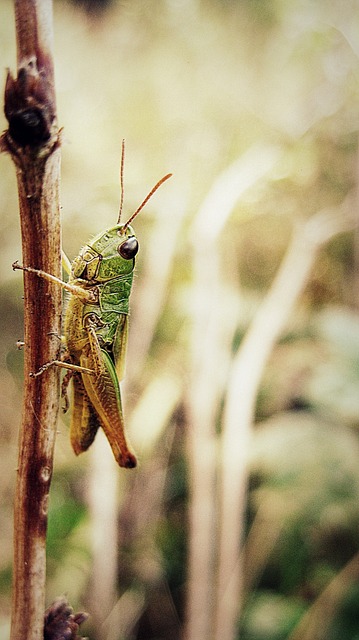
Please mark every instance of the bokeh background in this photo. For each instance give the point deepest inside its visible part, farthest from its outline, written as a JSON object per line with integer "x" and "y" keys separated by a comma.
{"x": 253, "y": 105}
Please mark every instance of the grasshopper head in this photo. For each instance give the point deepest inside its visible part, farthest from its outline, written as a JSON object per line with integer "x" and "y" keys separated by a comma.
{"x": 109, "y": 255}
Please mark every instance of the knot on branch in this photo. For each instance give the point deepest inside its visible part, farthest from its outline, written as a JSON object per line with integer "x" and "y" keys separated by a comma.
{"x": 61, "y": 623}
{"x": 29, "y": 109}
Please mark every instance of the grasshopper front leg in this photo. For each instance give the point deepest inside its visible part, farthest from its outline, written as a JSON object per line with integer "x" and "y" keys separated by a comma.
{"x": 83, "y": 412}
{"x": 86, "y": 295}
{"x": 63, "y": 364}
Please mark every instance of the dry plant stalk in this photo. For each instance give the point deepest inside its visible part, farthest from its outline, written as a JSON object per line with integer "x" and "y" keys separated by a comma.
{"x": 212, "y": 332}
{"x": 247, "y": 370}
{"x": 218, "y": 474}
{"x": 316, "y": 621}
{"x": 32, "y": 140}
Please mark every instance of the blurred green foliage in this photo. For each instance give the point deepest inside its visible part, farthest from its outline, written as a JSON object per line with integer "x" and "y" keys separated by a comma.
{"x": 191, "y": 85}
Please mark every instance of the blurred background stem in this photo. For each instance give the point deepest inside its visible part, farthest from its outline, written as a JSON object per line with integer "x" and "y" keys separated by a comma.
{"x": 246, "y": 371}
{"x": 212, "y": 330}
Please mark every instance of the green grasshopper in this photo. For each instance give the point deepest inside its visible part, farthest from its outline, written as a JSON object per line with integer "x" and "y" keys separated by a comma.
{"x": 95, "y": 332}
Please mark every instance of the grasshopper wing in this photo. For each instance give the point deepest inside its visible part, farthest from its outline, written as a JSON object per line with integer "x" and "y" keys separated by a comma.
{"x": 84, "y": 420}
{"x": 120, "y": 346}
{"x": 103, "y": 391}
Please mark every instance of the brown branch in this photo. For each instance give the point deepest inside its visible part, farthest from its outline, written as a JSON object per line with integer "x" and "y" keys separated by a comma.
{"x": 32, "y": 139}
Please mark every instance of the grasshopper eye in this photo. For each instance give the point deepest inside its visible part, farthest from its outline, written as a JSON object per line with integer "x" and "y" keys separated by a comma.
{"x": 129, "y": 248}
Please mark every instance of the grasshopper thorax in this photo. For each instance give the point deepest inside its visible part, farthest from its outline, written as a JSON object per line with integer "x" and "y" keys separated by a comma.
{"x": 109, "y": 255}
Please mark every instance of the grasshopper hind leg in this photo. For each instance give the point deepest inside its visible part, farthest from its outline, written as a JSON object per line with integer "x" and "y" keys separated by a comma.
{"x": 104, "y": 394}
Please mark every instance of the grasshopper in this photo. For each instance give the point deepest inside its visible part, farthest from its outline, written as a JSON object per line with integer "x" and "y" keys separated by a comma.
{"x": 95, "y": 332}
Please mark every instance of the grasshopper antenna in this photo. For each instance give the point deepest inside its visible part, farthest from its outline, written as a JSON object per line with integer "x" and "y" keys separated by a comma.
{"x": 121, "y": 179}
{"x": 153, "y": 190}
